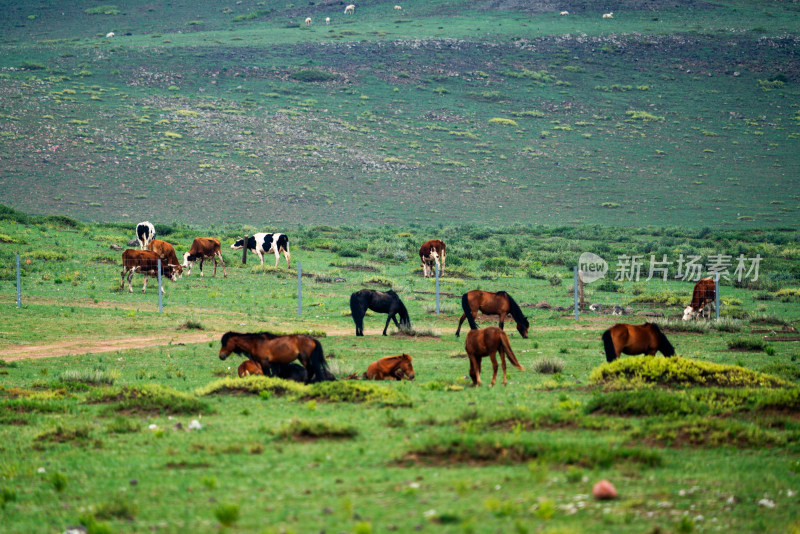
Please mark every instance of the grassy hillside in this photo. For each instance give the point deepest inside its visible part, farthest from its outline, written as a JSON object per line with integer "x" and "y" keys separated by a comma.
{"x": 236, "y": 112}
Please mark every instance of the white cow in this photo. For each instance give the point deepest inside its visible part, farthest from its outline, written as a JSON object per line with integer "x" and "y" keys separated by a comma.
{"x": 145, "y": 232}
{"x": 308, "y": 21}
{"x": 564, "y": 13}
{"x": 350, "y": 9}
{"x": 608, "y": 15}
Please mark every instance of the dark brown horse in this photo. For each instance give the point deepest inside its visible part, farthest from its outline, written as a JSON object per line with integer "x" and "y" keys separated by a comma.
{"x": 267, "y": 349}
{"x": 635, "y": 339}
{"x": 378, "y": 301}
{"x": 487, "y": 342}
{"x": 391, "y": 368}
{"x": 499, "y": 303}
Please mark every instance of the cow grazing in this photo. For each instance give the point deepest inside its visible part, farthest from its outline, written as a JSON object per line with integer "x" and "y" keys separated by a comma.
{"x": 398, "y": 8}
{"x": 145, "y": 232}
{"x": 703, "y": 294}
{"x": 564, "y": 13}
{"x": 167, "y": 254}
{"x": 204, "y": 248}
{"x": 308, "y": 21}
{"x": 145, "y": 262}
{"x": 351, "y": 8}
{"x": 265, "y": 243}
{"x": 430, "y": 253}
{"x": 608, "y": 15}
{"x": 249, "y": 367}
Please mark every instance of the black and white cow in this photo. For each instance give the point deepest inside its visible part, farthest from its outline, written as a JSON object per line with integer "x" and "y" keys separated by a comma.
{"x": 145, "y": 232}
{"x": 265, "y": 243}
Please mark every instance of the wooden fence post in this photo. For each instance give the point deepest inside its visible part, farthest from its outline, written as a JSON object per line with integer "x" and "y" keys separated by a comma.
{"x": 244, "y": 250}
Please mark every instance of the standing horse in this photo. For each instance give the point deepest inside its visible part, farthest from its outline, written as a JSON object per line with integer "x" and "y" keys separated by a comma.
{"x": 500, "y": 303}
{"x": 487, "y": 342}
{"x": 635, "y": 339}
{"x": 380, "y": 302}
{"x": 266, "y": 349}
{"x": 391, "y": 368}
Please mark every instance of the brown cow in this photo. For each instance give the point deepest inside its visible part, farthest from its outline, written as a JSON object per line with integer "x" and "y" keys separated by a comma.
{"x": 249, "y": 367}
{"x": 204, "y": 248}
{"x": 166, "y": 252}
{"x": 704, "y": 293}
{"x": 429, "y": 253}
{"x": 145, "y": 262}
{"x": 391, "y": 368}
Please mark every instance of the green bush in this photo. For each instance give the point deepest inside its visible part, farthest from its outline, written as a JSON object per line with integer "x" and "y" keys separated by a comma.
{"x": 645, "y": 402}
{"x": 677, "y": 371}
{"x": 149, "y": 398}
{"x": 353, "y": 391}
{"x": 254, "y": 385}
{"x": 747, "y": 344}
{"x": 312, "y": 430}
{"x": 707, "y": 432}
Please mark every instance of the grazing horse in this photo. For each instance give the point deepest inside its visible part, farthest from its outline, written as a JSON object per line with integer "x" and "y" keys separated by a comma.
{"x": 489, "y": 303}
{"x": 487, "y": 342}
{"x": 266, "y": 349}
{"x": 380, "y": 302}
{"x": 705, "y": 291}
{"x": 249, "y": 367}
{"x": 391, "y": 368}
{"x": 635, "y": 339}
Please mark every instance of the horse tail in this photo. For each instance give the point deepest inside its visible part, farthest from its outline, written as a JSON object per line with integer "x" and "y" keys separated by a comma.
{"x": 318, "y": 364}
{"x": 405, "y": 320}
{"x": 516, "y": 312}
{"x": 510, "y": 353}
{"x": 468, "y": 311}
{"x": 664, "y": 345}
{"x": 357, "y": 311}
{"x": 608, "y": 343}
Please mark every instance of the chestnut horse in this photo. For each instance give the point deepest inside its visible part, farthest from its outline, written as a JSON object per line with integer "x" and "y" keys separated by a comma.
{"x": 381, "y": 302}
{"x": 391, "y": 368}
{"x": 248, "y": 368}
{"x": 635, "y": 339}
{"x": 266, "y": 349}
{"x": 499, "y": 303}
{"x": 487, "y": 342}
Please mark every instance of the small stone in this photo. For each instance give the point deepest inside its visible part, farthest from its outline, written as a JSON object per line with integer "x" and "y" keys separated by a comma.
{"x": 604, "y": 491}
{"x": 133, "y": 482}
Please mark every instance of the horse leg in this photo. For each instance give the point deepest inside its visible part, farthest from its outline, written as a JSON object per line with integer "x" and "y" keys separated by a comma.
{"x": 387, "y": 323}
{"x": 475, "y": 370}
{"x": 503, "y": 363}
{"x": 502, "y": 320}
{"x": 494, "y": 369}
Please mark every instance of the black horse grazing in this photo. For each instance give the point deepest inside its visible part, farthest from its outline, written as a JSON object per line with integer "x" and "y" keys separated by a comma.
{"x": 635, "y": 339}
{"x": 380, "y": 302}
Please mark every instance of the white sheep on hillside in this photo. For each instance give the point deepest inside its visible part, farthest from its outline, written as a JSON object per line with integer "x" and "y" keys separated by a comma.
{"x": 398, "y": 8}
{"x": 110, "y": 34}
{"x": 327, "y": 20}
{"x": 608, "y": 15}
{"x": 308, "y": 21}
{"x": 564, "y": 13}
{"x": 350, "y": 9}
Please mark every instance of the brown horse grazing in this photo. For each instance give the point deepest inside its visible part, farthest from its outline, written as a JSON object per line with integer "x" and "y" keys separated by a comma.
{"x": 635, "y": 339}
{"x": 391, "y": 368}
{"x": 499, "y": 303}
{"x": 266, "y": 348}
{"x": 249, "y": 367}
{"x": 486, "y": 342}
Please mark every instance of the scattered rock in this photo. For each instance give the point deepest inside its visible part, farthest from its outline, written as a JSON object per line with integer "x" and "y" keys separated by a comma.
{"x": 604, "y": 491}
{"x": 543, "y": 305}
{"x": 596, "y": 307}
{"x": 115, "y": 247}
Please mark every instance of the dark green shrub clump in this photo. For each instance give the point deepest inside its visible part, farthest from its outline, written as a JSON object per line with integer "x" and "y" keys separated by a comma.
{"x": 644, "y": 403}
{"x": 705, "y": 432}
{"x": 351, "y": 391}
{"x": 747, "y": 344}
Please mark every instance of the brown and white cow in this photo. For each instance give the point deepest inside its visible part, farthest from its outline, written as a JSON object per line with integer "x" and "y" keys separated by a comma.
{"x": 166, "y": 252}
{"x": 204, "y": 248}
{"x": 145, "y": 262}
{"x": 430, "y": 253}
{"x": 703, "y": 294}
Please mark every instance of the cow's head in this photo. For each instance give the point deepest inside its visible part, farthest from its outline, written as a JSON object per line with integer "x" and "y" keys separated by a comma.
{"x": 690, "y": 313}
{"x": 178, "y": 270}
{"x": 170, "y": 272}
{"x": 238, "y": 244}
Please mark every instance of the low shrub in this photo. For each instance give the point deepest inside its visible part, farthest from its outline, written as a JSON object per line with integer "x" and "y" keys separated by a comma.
{"x": 548, "y": 365}
{"x": 747, "y": 344}
{"x": 787, "y": 371}
{"x": 784, "y": 400}
{"x": 303, "y": 430}
{"x": 89, "y": 376}
{"x": 706, "y": 432}
{"x": 254, "y": 385}
{"x": 677, "y": 371}
{"x": 148, "y": 399}
{"x": 354, "y": 391}
{"x": 645, "y": 402}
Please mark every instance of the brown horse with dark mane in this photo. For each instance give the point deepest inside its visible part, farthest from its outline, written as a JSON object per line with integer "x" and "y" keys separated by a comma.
{"x": 391, "y": 368}
{"x": 635, "y": 339}
{"x": 267, "y": 349}
{"x": 489, "y": 303}
{"x": 487, "y": 342}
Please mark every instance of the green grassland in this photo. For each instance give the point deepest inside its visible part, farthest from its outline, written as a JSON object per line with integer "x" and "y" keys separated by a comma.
{"x": 223, "y": 112}
{"x": 685, "y": 453}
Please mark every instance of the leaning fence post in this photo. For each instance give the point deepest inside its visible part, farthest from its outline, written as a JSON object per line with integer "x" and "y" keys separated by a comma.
{"x": 716, "y": 295}
{"x": 19, "y": 286}
{"x": 437, "y": 289}
{"x": 160, "y": 294}
{"x": 244, "y": 250}
{"x": 575, "y": 292}
{"x": 299, "y": 289}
